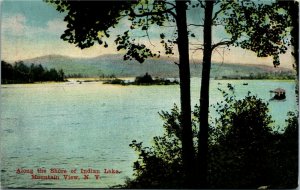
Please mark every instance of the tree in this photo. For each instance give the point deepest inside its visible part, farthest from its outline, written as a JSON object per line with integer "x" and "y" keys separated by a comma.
{"x": 242, "y": 20}
{"x": 160, "y": 166}
{"x": 37, "y": 72}
{"x": 87, "y": 25}
{"x": 7, "y": 72}
{"x": 245, "y": 151}
{"x": 259, "y": 27}
{"x": 243, "y": 140}
{"x": 204, "y": 95}
{"x": 292, "y": 11}
{"x": 21, "y": 72}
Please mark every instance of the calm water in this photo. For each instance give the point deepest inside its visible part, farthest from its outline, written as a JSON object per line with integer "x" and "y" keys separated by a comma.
{"x": 89, "y": 125}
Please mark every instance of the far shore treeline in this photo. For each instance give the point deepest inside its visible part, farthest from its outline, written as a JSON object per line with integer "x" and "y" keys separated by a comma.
{"x": 21, "y": 73}
{"x": 30, "y": 72}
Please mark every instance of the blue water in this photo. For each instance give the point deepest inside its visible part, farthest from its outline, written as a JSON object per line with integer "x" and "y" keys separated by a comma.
{"x": 90, "y": 125}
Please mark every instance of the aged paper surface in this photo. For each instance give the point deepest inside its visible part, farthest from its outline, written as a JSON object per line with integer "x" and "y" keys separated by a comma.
{"x": 73, "y": 111}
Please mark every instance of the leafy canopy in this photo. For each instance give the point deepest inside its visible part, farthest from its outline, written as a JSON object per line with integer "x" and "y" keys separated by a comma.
{"x": 90, "y": 22}
{"x": 262, "y": 28}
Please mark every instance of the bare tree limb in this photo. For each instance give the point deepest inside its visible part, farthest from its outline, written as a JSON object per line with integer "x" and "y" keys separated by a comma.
{"x": 219, "y": 11}
{"x": 200, "y": 25}
{"x": 222, "y": 55}
{"x": 222, "y": 43}
{"x": 170, "y": 26}
{"x": 216, "y": 14}
{"x": 149, "y": 38}
{"x": 193, "y": 44}
{"x": 148, "y": 33}
{"x": 197, "y": 49}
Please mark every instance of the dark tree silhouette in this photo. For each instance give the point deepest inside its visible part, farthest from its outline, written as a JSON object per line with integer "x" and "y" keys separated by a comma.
{"x": 292, "y": 10}
{"x": 7, "y": 72}
{"x": 87, "y": 25}
{"x": 204, "y": 95}
{"x": 261, "y": 28}
{"x": 21, "y": 73}
{"x": 245, "y": 150}
{"x": 242, "y": 19}
{"x": 258, "y": 27}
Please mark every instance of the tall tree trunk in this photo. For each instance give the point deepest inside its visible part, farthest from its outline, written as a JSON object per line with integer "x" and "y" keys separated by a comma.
{"x": 293, "y": 9}
{"x": 188, "y": 150}
{"x": 204, "y": 95}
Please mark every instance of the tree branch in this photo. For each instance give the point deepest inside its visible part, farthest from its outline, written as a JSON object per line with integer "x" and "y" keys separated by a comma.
{"x": 219, "y": 11}
{"x": 139, "y": 36}
{"x": 168, "y": 3}
{"x": 219, "y": 24}
{"x": 201, "y": 4}
{"x": 216, "y": 14}
{"x": 200, "y": 25}
{"x": 217, "y": 2}
{"x": 132, "y": 13}
{"x": 170, "y": 26}
{"x": 196, "y": 49}
{"x": 192, "y": 44}
{"x": 147, "y": 32}
{"x": 149, "y": 38}
{"x": 222, "y": 43}
{"x": 222, "y": 55}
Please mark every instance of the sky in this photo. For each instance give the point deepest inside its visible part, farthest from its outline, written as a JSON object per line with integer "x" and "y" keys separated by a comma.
{"x": 33, "y": 28}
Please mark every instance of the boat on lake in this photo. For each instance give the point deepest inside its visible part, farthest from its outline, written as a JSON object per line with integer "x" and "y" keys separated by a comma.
{"x": 279, "y": 94}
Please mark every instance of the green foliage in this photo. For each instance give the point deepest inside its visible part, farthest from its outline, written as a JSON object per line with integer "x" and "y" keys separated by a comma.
{"x": 115, "y": 81}
{"x": 90, "y": 21}
{"x": 242, "y": 137}
{"x": 146, "y": 79}
{"x": 161, "y": 165}
{"x": 244, "y": 150}
{"x": 241, "y": 120}
{"x": 284, "y": 75}
{"x": 262, "y": 28}
{"x": 286, "y": 157}
{"x": 21, "y": 73}
{"x": 143, "y": 17}
{"x": 137, "y": 51}
{"x": 143, "y": 80}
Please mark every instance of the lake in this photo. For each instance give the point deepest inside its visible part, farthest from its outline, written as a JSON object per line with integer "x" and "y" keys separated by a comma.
{"x": 68, "y": 126}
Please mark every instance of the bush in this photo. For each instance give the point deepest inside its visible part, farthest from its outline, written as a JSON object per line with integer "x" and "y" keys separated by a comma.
{"x": 244, "y": 150}
{"x": 160, "y": 166}
{"x": 242, "y": 138}
{"x": 285, "y": 155}
{"x": 146, "y": 79}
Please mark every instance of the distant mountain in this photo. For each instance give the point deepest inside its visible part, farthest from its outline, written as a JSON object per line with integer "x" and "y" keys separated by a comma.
{"x": 162, "y": 67}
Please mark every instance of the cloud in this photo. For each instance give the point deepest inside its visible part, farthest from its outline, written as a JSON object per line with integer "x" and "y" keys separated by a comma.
{"x": 14, "y": 24}
{"x": 56, "y": 26}
{"x": 17, "y": 25}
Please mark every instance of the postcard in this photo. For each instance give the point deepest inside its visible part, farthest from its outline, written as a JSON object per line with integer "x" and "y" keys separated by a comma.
{"x": 149, "y": 94}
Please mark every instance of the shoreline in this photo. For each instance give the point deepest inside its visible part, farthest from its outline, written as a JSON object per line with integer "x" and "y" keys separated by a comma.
{"x": 94, "y": 79}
